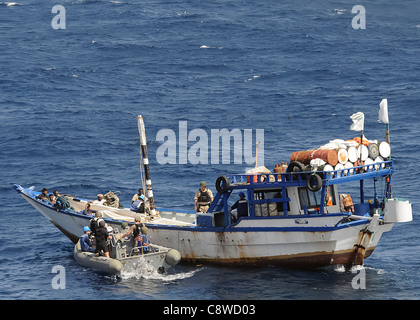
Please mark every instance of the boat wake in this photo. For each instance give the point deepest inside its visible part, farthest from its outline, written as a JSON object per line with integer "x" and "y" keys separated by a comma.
{"x": 144, "y": 270}
{"x": 354, "y": 269}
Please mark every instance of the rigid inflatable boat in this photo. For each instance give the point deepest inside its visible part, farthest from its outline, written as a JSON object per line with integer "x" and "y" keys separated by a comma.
{"x": 124, "y": 256}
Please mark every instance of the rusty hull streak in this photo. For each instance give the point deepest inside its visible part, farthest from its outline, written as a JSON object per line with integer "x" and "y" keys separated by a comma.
{"x": 314, "y": 260}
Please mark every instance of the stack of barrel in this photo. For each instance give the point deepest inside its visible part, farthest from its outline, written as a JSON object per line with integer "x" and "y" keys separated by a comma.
{"x": 340, "y": 154}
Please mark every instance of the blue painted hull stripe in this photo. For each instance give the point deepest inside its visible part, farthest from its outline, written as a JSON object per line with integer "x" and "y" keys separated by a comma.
{"x": 220, "y": 229}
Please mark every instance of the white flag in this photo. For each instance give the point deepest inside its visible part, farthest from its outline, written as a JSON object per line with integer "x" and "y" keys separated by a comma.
{"x": 383, "y": 111}
{"x": 358, "y": 121}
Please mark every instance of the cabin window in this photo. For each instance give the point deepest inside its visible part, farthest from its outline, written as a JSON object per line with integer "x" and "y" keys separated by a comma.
{"x": 312, "y": 199}
{"x": 275, "y": 207}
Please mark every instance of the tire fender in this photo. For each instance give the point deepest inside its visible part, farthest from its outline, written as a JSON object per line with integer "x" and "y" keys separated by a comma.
{"x": 222, "y": 184}
{"x": 314, "y": 182}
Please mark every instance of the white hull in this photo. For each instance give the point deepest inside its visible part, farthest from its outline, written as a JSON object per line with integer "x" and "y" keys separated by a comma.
{"x": 299, "y": 248}
{"x": 305, "y": 242}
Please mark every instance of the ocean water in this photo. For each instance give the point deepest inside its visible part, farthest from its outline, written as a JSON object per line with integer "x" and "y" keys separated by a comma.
{"x": 295, "y": 69}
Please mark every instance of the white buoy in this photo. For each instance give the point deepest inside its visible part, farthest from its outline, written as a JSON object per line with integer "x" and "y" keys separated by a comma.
{"x": 368, "y": 164}
{"x": 363, "y": 152}
{"x": 352, "y": 153}
{"x": 384, "y": 149}
{"x": 343, "y": 156}
{"x": 379, "y": 160}
{"x": 349, "y": 165}
{"x": 339, "y": 166}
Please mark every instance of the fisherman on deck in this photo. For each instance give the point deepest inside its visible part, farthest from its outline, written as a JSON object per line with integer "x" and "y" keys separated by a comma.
{"x": 43, "y": 195}
{"x": 138, "y": 205}
{"x": 203, "y": 197}
{"x": 138, "y": 195}
{"x": 88, "y": 211}
{"x": 56, "y": 194}
{"x": 99, "y": 199}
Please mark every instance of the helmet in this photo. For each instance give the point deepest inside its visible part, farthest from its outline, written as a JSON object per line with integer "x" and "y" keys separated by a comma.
{"x": 86, "y": 228}
{"x": 124, "y": 225}
{"x": 241, "y": 194}
{"x": 141, "y": 197}
{"x": 203, "y": 184}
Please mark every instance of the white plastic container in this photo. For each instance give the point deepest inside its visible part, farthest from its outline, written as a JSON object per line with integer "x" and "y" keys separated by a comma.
{"x": 397, "y": 210}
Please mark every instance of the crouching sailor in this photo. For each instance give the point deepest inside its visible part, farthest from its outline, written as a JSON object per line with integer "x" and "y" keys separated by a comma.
{"x": 85, "y": 242}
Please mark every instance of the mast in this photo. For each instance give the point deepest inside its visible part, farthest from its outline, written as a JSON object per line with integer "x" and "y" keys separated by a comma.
{"x": 143, "y": 146}
{"x": 383, "y": 117}
{"x": 256, "y": 153}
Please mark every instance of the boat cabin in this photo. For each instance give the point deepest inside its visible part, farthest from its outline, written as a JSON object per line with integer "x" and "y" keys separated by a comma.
{"x": 291, "y": 194}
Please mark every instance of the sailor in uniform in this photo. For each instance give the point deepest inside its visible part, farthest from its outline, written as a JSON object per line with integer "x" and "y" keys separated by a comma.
{"x": 203, "y": 197}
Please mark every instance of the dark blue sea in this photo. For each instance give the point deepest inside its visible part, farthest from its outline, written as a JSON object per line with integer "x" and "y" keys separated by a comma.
{"x": 295, "y": 69}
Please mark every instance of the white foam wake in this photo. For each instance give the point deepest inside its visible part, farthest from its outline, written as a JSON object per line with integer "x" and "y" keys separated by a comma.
{"x": 144, "y": 270}
{"x": 341, "y": 269}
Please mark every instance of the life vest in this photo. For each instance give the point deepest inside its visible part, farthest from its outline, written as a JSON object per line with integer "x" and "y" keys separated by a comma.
{"x": 141, "y": 238}
{"x": 329, "y": 199}
{"x": 242, "y": 208}
{"x": 204, "y": 197}
{"x": 136, "y": 205}
{"x": 94, "y": 224}
{"x": 136, "y": 231}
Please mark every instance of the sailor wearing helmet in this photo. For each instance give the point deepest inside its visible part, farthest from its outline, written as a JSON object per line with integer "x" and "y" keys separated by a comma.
{"x": 203, "y": 197}
{"x": 85, "y": 242}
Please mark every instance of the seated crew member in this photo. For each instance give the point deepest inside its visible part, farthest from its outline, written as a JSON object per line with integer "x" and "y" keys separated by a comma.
{"x": 99, "y": 199}
{"x": 52, "y": 198}
{"x": 203, "y": 197}
{"x": 43, "y": 195}
{"x": 56, "y": 194}
{"x": 88, "y": 211}
{"x": 241, "y": 205}
{"x": 85, "y": 243}
{"x": 138, "y": 195}
{"x": 138, "y": 205}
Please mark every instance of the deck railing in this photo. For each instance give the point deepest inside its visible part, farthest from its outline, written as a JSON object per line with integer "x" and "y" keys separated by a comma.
{"x": 299, "y": 178}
